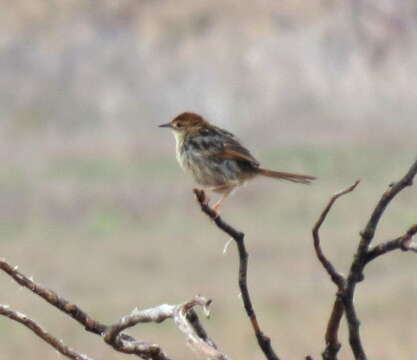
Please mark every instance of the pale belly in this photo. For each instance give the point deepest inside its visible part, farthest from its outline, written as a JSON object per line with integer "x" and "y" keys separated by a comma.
{"x": 210, "y": 171}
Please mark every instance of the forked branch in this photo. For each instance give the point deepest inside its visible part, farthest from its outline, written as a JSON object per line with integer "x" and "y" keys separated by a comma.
{"x": 344, "y": 302}
{"x": 337, "y": 278}
{"x": 360, "y": 259}
{"x": 331, "y": 338}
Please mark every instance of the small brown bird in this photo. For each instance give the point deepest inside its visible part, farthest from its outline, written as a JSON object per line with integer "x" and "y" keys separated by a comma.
{"x": 216, "y": 159}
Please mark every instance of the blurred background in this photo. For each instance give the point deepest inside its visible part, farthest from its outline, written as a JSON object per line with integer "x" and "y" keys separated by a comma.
{"x": 94, "y": 205}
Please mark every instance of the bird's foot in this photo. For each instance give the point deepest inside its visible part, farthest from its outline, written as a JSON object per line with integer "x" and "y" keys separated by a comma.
{"x": 204, "y": 200}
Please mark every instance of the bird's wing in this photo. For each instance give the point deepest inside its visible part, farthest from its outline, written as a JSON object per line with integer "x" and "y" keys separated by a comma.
{"x": 237, "y": 152}
{"x": 217, "y": 143}
{"x": 232, "y": 149}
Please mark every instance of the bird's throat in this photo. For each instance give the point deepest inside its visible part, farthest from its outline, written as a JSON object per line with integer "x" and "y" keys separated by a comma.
{"x": 179, "y": 140}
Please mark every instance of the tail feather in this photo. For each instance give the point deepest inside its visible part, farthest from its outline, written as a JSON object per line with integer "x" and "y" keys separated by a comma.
{"x": 301, "y": 179}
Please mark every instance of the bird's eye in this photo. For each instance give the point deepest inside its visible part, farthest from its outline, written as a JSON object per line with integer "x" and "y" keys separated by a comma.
{"x": 177, "y": 125}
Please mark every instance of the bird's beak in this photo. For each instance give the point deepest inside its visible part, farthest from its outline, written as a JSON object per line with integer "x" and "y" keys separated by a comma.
{"x": 168, "y": 125}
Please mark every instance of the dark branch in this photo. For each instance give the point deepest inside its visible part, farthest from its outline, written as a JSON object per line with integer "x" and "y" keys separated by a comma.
{"x": 344, "y": 301}
{"x": 43, "y": 334}
{"x": 395, "y": 188}
{"x": 263, "y": 340}
{"x": 403, "y": 243}
{"x": 51, "y": 297}
{"x": 332, "y": 332}
{"x": 360, "y": 260}
{"x": 328, "y": 266}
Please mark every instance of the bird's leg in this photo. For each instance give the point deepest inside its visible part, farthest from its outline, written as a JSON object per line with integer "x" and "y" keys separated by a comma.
{"x": 218, "y": 188}
{"x": 226, "y": 193}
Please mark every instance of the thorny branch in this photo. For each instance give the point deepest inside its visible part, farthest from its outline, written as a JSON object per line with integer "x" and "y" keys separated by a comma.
{"x": 263, "y": 340}
{"x": 183, "y": 315}
{"x": 346, "y": 285}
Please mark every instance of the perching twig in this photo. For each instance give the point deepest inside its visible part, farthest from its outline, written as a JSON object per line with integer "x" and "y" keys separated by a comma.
{"x": 43, "y": 334}
{"x": 183, "y": 315}
{"x": 263, "y": 340}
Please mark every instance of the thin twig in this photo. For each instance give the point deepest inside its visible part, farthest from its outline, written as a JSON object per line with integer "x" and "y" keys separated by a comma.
{"x": 263, "y": 340}
{"x": 336, "y": 277}
{"x": 201, "y": 345}
{"x": 331, "y": 337}
{"x": 51, "y": 297}
{"x": 194, "y": 321}
{"x": 395, "y": 188}
{"x": 43, "y": 334}
{"x": 403, "y": 243}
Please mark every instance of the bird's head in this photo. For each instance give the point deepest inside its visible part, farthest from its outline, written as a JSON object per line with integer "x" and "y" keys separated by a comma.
{"x": 186, "y": 122}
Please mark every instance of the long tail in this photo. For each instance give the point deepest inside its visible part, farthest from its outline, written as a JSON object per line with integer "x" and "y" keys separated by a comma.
{"x": 301, "y": 179}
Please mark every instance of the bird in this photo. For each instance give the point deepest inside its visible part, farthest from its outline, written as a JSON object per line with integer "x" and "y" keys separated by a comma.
{"x": 215, "y": 157}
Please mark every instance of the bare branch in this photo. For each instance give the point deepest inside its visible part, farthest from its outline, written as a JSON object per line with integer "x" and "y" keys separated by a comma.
{"x": 157, "y": 314}
{"x": 332, "y": 332}
{"x": 403, "y": 243}
{"x": 198, "y": 328}
{"x": 337, "y": 278}
{"x": 395, "y": 189}
{"x": 263, "y": 340}
{"x": 51, "y": 297}
{"x": 43, "y": 334}
{"x": 179, "y": 313}
{"x": 199, "y": 344}
{"x": 360, "y": 260}
{"x": 183, "y": 315}
{"x": 344, "y": 301}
